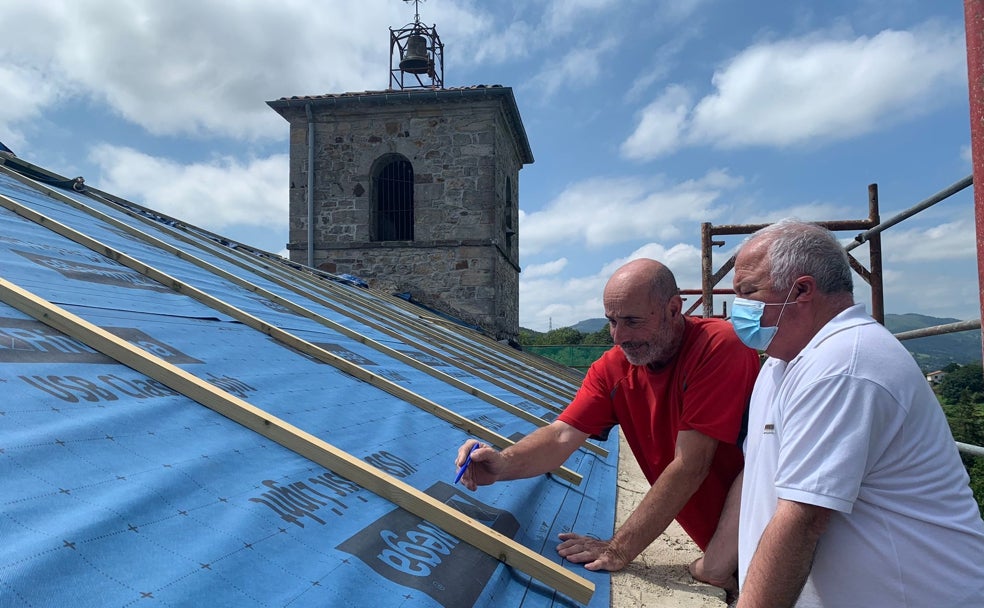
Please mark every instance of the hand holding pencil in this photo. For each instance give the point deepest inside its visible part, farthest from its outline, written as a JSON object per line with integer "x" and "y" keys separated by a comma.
{"x": 478, "y": 465}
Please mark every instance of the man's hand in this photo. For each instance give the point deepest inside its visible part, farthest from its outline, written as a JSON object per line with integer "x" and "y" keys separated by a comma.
{"x": 593, "y": 553}
{"x": 540, "y": 452}
{"x": 485, "y": 467}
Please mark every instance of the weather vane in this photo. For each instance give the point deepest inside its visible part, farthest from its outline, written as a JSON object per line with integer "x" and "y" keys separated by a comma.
{"x": 416, "y": 9}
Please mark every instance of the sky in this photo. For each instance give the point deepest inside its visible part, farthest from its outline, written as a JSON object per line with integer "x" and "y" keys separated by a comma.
{"x": 646, "y": 118}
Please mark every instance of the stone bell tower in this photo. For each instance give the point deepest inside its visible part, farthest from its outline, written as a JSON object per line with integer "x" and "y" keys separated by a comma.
{"x": 414, "y": 189}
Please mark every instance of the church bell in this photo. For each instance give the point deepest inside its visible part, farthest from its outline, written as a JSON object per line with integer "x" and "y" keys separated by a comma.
{"x": 415, "y": 60}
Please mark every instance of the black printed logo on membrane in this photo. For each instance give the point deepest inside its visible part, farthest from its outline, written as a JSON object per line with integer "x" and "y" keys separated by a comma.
{"x": 417, "y": 554}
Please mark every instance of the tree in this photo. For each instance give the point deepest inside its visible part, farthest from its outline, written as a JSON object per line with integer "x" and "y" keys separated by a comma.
{"x": 562, "y": 336}
{"x": 599, "y": 338}
{"x": 969, "y": 377}
{"x": 976, "y": 472}
{"x": 965, "y": 422}
{"x": 528, "y": 337}
{"x": 967, "y": 426}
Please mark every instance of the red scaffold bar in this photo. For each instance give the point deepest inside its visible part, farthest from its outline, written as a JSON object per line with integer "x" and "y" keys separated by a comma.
{"x": 974, "y": 24}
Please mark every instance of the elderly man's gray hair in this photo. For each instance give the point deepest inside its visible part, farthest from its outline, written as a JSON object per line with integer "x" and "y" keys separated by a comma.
{"x": 798, "y": 248}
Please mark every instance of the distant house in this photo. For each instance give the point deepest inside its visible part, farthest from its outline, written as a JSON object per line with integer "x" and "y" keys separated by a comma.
{"x": 935, "y": 377}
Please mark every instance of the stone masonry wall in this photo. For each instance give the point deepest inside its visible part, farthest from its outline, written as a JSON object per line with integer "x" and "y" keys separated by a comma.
{"x": 460, "y": 260}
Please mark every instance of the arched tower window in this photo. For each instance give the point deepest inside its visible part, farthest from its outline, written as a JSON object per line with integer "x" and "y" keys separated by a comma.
{"x": 393, "y": 196}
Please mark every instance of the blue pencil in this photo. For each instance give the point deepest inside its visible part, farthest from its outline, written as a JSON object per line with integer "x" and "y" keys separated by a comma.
{"x": 461, "y": 471}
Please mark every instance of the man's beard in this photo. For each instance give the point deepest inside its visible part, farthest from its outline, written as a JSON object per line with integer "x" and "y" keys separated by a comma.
{"x": 653, "y": 354}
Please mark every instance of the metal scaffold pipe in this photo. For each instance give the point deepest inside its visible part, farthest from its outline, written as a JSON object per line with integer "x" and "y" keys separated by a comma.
{"x": 920, "y": 206}
{"x": 967, "y": 448}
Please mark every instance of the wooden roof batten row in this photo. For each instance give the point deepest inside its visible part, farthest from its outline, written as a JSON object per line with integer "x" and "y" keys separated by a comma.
{"x": 307, "y": 313}
{"x": 273, "y": 331}
{"x": 411, "y": 320}
{"x": 309, "y": 446}
{"x": 249, "y": 263}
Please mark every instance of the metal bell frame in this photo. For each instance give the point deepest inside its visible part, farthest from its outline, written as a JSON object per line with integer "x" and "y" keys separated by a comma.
{"x": 424, "y": 62}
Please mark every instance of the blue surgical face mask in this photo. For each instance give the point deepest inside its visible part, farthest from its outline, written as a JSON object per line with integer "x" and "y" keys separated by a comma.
{"x": 746, "y": 317}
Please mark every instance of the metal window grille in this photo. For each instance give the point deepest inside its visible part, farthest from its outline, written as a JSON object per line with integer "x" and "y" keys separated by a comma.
{"x": 394, "y": 211}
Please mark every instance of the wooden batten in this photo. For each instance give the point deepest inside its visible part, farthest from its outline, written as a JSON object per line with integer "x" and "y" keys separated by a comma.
{"x": 275, "y": 332}
{"x": 489, "y": 541}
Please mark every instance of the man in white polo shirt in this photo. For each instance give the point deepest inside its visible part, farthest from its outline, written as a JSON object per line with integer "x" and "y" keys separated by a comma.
{"x": 853, "y": 493}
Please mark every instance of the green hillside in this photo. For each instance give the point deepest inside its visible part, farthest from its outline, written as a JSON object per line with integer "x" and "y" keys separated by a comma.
{"x": 931, "y": 353}
{"x": 589, "y": 326}
{"x": 936, "y": 352}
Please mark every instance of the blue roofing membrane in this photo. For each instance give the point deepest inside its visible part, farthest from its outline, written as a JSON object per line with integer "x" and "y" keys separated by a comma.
{"x": 121, "y": 491}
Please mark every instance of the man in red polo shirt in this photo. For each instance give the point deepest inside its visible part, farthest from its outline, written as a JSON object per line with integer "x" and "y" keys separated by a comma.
{"x": 679, "y": 387}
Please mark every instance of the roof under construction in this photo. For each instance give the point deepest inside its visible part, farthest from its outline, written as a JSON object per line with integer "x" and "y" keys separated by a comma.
{"x": 190, "y": 420}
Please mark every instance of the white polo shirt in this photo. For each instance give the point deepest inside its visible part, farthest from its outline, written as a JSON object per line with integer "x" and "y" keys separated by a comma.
{"x": 852, "y": 425}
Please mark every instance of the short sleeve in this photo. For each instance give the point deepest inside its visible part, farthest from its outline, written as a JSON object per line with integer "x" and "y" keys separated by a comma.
{"x": 717, "y": 384}
{"x": 592, "y": 411}
{"x": 826, "y": 443}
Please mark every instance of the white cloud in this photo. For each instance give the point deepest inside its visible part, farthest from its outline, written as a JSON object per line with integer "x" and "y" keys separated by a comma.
{"x": 24, "y": 91}
{"x": 800, "y": 90}
{"x": 27, "y": 89}
{"x": 485, "y": 46}
{"x": 603, "y": 211}
{"x": 547, "y": 269}
{"x": 558, "y": 301}
{"x": 680, "y": 11}
{"x": 579, "y": 66}
{"x": 199, "y": 73}
{"x": 814, "y": 211}
{"x": 213, "y": 195}
{"x": 812, "y": 89}
{"x": 189, "y": 67}
{"x": 563, "y": 16}
{"x": 664, "y": 59}
{"x": 955, "y": 240}
{"x": 660, "y": 125}
{"x": 682, "y": 259}
{"x": 929, "y": 289}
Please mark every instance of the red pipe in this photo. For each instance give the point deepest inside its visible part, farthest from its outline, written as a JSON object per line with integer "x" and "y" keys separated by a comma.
{"x": 974, "y": 25}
